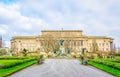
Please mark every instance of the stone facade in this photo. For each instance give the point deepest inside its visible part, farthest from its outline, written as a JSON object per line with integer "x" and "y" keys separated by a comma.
{"x": 73, "y": 39}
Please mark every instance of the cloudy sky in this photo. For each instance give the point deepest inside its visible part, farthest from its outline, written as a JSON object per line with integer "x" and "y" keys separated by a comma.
{"x": 29, "y": 17}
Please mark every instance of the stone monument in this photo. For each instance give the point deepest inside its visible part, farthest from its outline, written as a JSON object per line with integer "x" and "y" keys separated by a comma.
{"x": 61, "y": 47}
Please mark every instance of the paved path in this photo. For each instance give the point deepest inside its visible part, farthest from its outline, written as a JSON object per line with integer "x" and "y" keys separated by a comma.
{"x": 61, "y": 68}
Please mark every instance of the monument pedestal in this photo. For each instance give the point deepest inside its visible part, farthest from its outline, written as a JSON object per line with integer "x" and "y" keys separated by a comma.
{"x": 61, "y": 47}
{"x": 61, "y": 50}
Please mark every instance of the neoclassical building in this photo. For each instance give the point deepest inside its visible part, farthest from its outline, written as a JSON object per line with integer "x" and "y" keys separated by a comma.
{"x": 73, "y": 39}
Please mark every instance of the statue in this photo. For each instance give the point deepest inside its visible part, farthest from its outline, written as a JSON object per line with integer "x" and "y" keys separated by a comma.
{"x": 61, "y": 42}
{"x": 55, "y": 50}
{"x": 61, "y": 47}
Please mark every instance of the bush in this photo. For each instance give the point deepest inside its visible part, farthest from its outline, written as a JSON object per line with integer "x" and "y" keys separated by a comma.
{"x": 117, "y": 66}
{"x": 3, "y": 51}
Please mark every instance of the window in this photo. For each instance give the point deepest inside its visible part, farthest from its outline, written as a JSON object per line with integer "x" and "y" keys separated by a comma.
{"x": 106, "y": 43}
{"x": 41, "y": 43}
{"x": 81, "y": 42}
{"x": 106, "y": 49}
{"x": 96, "y": 44}
{"x": 99, "y": 44}
{"x": 103, "y": 44}
{"x": 90, "y": 44}
{"x": 74, "y": 43}
{"x": 78, "y": 43}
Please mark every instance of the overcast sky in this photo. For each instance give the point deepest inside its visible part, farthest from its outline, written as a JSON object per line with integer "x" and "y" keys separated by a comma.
{"x": 29, "y": 17}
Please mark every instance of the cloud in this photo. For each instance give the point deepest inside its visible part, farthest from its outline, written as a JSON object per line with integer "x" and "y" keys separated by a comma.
{"x": 94, "y": 17}
{"x": 2, "y": 31}
{"x": 12, "y": 17}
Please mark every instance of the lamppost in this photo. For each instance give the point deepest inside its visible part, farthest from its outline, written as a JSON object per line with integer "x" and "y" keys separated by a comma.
{"x": 54, "y": 50}
{"x": 82, "y": 56}
{"x": 84, "y": 61}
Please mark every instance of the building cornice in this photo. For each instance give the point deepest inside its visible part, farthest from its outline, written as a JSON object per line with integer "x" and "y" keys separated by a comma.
{"x": 99, "y": 37}
{"x": 32, "y": 37}
{"x": 61, "y": 30}
{"x": 23, "y": 37}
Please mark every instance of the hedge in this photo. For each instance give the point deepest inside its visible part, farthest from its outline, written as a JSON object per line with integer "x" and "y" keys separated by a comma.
{"x": 110, "y": 63}
{"x": 11, "y": 63}
{"x": 8, "y": 71}
{"x": 105, "y": 68}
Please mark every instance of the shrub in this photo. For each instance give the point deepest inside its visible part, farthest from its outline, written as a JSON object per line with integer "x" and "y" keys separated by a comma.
{"x": 108, "y": 62}
{"x": 12, "y": 58}
{"x": 11, "y": 63}
{"x": 3, "y": 51}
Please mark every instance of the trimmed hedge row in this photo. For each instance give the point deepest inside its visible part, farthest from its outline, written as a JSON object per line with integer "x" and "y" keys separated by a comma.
{"x": 9, "y": 71}
{"x": 12, "y": 58}
{"x": 105, "y": 68}
{"x": 109, "y": 63}
{"x": 11, "y": 63}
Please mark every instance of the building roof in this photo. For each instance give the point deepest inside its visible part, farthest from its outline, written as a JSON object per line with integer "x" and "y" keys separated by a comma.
{"x": 62, "y": 30}
{"x": 41, "y": 36}
{"x": 99, "y": 37}
{"x": 17, "y": 37}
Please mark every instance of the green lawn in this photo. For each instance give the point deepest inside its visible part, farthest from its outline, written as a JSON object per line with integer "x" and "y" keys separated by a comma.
{"x": 8, "y": 71}
{"x": 105, "y": 68}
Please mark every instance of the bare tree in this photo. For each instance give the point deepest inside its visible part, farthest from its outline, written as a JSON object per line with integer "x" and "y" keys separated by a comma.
{"x": 50, "y": 43}
{"x": 94, "y": 46}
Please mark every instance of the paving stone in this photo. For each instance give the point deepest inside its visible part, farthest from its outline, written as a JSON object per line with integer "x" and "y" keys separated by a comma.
{"x": 61, "y": 68}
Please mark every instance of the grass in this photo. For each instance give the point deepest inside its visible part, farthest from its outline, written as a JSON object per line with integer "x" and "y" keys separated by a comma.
{"x": 8, "y": 71}
{"x": 105, "y": 68}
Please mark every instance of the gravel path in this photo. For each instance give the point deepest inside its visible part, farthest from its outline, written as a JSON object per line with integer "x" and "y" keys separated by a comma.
{"x": 61, "y": 68}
